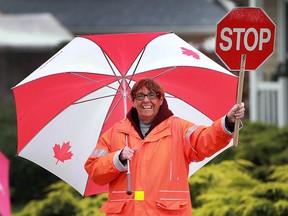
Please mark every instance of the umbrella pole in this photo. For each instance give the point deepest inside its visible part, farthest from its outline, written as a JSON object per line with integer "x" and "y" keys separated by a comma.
{"x": 128, "y": 175}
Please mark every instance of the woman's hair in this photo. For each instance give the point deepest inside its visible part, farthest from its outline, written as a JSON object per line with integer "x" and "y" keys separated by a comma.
{"x": 150, "y": 84}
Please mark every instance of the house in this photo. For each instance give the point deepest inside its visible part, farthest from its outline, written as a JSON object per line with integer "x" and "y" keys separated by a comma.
{"x": 193, "y": 20}
{"x": 268, "y": 86}
{"x": 32, "y": 30}
{"x": 26, "y": 41}
{"x": 98, "y": 17}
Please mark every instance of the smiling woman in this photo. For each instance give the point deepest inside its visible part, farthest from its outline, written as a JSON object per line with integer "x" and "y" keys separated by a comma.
{"x": 152, "y": 140}
{"x": 147, "y": 98}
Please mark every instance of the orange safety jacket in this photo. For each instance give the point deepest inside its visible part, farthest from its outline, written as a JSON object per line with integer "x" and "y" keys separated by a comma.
{"x": 159, "y": 167}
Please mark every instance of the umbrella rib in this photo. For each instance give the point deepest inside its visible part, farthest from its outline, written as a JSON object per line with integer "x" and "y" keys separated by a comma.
{"x": 164, "y": 72}
{"x": 136, "y": 66}
{"x": 158, "y": 75}
{"x": 88, "y": 100}
{"x": 114, "y": 107}
{"x": 106, "y": 57}
{"x": 92, "y": 80}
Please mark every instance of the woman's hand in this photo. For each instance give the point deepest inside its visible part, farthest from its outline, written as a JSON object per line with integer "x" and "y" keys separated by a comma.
{"x": 236, "y": 112}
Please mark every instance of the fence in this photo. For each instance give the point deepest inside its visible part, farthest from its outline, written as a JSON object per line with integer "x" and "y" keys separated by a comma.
{"x": 271, "y": 102}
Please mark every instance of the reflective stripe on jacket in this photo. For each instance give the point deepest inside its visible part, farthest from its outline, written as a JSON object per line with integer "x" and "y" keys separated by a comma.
{"x": 159, "y": 167}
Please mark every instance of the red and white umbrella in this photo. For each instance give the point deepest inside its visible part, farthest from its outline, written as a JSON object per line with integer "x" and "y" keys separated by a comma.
{"x": 5, "y": 206}
{"x": 64, "y": 106}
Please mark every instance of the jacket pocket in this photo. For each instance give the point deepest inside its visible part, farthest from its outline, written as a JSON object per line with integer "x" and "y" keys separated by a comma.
{"x": 113, "y": 207}
{"x": 171, "y": 206}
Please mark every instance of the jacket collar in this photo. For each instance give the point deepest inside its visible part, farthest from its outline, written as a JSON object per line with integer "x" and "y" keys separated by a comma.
{"x": 164, "y": 113}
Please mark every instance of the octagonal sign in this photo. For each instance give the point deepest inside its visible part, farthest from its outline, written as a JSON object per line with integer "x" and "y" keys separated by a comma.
{"x": 245, "y": 30}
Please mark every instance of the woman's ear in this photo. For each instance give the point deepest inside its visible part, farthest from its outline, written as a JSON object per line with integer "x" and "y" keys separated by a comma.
{"x": 161, "y": 99}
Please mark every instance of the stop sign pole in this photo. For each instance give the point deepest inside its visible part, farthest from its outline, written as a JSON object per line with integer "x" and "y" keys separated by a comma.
{"x": 245, "y": 38}
{"x": 239, "y": 96}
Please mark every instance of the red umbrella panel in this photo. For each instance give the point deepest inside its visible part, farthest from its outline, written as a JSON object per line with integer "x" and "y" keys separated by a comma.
{"x": 64, "y": 106}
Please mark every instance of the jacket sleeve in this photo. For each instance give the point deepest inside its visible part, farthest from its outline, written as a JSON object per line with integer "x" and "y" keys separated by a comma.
{"x": 103, "y": 165}
{"x": 205, "y": 141}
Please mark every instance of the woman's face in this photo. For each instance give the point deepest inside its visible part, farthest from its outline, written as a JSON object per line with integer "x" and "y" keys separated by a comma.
{"x": 147, "y": 108}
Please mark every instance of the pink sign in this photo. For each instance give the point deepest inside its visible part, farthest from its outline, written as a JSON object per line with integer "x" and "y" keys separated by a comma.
{"x": 5, "y": 207}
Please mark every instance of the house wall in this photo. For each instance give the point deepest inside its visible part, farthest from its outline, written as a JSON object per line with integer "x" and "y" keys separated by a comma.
{"x": 270, "y": 65}
{"x": 268, "y": 98}
{"x": 15, "y": 65}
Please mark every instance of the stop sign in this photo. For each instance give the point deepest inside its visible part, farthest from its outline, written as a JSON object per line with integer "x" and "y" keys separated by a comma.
{"x": 245, "y": 30}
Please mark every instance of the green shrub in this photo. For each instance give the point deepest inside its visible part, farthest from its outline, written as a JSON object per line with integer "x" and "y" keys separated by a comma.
{"x": 62, "y": 200}
{"x": 228, "y": 188}
{"x": 258, "y": 207}
{"x": 90, "y": 206}
{"x": 281, "y": 207}
{"x": 273, "y": 191}
{"x": 279, "y": 173}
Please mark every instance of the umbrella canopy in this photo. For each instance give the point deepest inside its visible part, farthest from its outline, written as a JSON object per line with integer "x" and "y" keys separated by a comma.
{"x": 5, "y": 207}
{"x": 64, "y": 106}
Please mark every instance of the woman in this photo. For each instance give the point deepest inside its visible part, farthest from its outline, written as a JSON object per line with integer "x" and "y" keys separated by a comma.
{"x": 160, "y": 149}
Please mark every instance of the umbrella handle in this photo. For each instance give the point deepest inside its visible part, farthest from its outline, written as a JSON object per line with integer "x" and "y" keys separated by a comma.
{"x": 128, "y": 176}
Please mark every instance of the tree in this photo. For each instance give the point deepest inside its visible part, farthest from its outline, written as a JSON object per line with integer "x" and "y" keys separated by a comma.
{"x": 27, "y": 179}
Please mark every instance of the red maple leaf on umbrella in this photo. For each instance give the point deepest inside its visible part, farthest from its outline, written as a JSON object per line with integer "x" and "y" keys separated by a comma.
{"x": 190, "y": 52}
{"x": 62, "y": 153}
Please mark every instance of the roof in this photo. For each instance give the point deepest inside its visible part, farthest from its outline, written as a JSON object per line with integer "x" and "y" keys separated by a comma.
{"x": 102, "y": 16}
{"x": 32, "y": 30}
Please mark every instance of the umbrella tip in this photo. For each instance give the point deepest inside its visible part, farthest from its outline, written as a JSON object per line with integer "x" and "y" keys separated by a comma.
{"x": 129, "y": 192}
